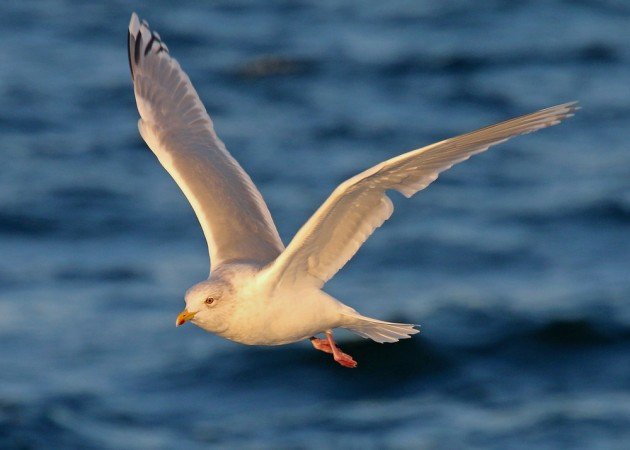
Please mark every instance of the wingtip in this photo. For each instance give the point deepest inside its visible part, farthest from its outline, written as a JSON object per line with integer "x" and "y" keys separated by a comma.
{"x": 572, "y": 106}
{"x": 562, "y": 111}
{"x": 141, "y": 41}
{"x": 132, "y": 34}
{"x": 134, "y": 24}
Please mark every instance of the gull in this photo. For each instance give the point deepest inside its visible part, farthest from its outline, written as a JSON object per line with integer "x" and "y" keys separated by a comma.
{"x": 260, "y": 292}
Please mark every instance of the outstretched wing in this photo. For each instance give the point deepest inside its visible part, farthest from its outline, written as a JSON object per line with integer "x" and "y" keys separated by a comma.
{"x": 360, "y": 205}
{"x": 175, "y": 125}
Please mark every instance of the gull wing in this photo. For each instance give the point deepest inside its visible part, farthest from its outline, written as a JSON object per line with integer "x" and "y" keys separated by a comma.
{"x": 360, "y": 205}
{"x": 175, "y": 125}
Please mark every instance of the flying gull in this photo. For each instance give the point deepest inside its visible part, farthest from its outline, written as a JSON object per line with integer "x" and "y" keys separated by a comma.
{"x": 260, "y": 292}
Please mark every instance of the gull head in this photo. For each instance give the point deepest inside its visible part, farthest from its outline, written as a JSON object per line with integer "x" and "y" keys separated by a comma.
{"x": 207, "y": 305}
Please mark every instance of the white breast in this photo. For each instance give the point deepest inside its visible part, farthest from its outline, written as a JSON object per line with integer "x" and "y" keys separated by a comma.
{"x": 265, "y": 317}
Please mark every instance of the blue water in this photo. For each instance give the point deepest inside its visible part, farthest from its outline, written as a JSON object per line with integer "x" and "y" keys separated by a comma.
{"x": 516, "y": 263}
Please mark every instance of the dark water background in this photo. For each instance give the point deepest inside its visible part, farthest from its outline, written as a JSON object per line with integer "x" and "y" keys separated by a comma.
{"x": 516, "y": 263}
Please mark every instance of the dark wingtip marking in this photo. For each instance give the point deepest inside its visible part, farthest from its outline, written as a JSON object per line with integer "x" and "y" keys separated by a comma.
{"x": 133, "y": 48}
{"x": 136, "y": 51}
{"x": 129, "y": 54}
{"x": 147, "y": 49}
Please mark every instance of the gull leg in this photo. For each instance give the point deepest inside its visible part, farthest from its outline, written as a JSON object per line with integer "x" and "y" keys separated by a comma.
{"x": 321, "y": 344}
{"x": 342, "y": 358}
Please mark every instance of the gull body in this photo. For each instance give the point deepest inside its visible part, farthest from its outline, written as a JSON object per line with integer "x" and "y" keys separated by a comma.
{"x": 258, "y": 291}
{"x": 249, "y": 309}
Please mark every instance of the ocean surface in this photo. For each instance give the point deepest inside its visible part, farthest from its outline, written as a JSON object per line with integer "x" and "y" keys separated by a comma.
{"x": 516, "y": 264}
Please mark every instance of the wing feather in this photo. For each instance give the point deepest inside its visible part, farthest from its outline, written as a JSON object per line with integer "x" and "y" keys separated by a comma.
{"x": 360, "y": 205}
{"x": 175, "y": 125}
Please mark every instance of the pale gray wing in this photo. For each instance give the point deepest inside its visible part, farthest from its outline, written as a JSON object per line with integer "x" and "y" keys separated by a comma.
{"x": 360, "y": 205}
{"x": 235, "y": 219}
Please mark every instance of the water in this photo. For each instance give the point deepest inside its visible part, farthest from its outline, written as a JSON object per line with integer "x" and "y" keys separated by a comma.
{"x": 515, "y": 263}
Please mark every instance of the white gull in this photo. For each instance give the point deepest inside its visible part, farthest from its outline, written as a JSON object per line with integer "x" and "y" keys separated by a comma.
{"x": 258, "y": 291}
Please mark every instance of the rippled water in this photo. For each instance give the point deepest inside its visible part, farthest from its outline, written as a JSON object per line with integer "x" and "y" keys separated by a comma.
{"x": 515, "y": 263}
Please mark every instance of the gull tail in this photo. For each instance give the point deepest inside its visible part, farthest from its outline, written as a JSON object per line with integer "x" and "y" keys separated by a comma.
{"x": 378, "y": 330}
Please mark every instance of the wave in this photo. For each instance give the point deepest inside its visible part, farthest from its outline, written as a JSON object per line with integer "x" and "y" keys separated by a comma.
{"x": 609, "y": 210}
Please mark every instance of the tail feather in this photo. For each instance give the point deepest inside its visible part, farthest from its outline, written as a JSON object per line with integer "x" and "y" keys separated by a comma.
{"x": 378, "y": 330}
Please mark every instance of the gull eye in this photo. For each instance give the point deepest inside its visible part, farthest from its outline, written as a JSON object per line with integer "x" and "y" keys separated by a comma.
{"x": 209, "y": 301}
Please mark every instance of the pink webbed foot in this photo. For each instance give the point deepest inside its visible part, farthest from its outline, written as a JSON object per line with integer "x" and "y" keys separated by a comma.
{"x": 345, "y": 359}
{"x": 328, "y": 345}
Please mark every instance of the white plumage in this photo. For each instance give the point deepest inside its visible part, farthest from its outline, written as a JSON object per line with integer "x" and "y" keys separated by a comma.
{"x": 259, "y": 292}
{"x": 176, "y": 126}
